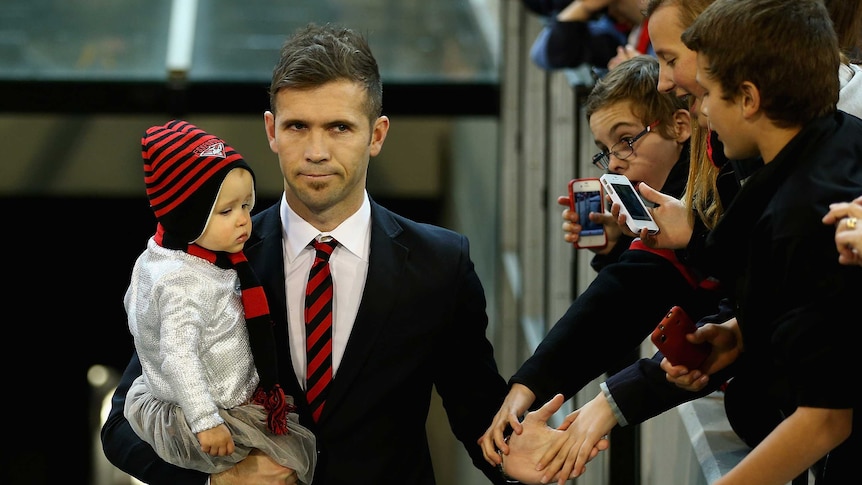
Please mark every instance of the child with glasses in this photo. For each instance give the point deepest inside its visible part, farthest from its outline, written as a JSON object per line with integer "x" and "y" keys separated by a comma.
{"x": 621, "y": 150}
{"x": 620, "y": 117}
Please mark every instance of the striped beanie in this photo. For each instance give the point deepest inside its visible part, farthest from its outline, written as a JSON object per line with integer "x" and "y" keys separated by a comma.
{"x": 184, "y": 168}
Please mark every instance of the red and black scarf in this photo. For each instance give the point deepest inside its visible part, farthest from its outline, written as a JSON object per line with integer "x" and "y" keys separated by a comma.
{"x": 269, "y": 393}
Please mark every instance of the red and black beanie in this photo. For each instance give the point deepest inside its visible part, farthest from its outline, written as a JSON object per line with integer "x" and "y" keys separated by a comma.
{"x": 184, "y": 168}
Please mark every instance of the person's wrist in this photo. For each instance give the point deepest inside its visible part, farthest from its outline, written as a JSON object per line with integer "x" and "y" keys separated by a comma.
{"x": 501, "y": 467}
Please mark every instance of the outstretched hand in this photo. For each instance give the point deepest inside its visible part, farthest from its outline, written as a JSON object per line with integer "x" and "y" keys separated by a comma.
{"x": 517, "y": 401}
{"x": 526, "y": 447}
{"x": 585, "y": 435}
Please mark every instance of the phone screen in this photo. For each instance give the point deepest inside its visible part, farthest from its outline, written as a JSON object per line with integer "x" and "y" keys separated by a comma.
{"x": 586, "y": 202}
{"x": 632, "y": 202}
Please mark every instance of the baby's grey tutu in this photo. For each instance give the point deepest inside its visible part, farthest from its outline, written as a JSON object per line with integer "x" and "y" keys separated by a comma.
{"x": 163, "y": 426}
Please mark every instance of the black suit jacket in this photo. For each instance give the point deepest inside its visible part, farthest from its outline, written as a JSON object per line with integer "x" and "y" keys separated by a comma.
{"x": 421, "y": 324}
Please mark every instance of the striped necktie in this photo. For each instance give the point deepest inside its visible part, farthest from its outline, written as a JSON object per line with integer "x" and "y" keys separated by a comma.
{"x": 318, "y": 327}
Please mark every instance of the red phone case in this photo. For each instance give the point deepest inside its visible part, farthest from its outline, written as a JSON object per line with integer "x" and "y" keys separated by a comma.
{"x": 573, "y": 209}
{"x": 669, "y": 337}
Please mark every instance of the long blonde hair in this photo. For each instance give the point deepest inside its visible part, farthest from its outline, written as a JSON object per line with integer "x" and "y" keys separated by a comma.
{"x": 701, "y": 193}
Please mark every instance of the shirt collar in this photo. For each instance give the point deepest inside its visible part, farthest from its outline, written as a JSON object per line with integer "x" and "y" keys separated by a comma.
{"x": 352, "y": 234}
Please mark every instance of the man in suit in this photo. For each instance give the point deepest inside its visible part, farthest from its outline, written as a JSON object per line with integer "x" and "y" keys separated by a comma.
{"x": 409, "y": 309}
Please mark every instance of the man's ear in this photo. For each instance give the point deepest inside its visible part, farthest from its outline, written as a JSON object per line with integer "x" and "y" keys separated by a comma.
{"x": 749, "y": 99}
{"x": 682, "y": 125}
{"x": 378, "y": 134}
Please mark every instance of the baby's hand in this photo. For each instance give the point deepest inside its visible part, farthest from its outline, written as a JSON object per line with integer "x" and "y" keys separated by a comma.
{"x": 216, "y": 441}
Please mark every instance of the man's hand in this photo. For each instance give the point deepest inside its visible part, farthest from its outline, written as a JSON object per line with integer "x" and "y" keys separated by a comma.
{"x": 585, "y": 435}
{"x": 528, "y": 445}
{"x": 517, "y": 402}
{"x": 256, "y": 469}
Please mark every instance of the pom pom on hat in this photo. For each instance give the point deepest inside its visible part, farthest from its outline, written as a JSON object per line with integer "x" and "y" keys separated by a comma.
{"x": 184, "y": 168}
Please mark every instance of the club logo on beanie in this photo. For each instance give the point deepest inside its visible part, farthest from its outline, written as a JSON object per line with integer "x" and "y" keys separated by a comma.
{"x": 184, "y": 167}
{"x": 215, "y": 149}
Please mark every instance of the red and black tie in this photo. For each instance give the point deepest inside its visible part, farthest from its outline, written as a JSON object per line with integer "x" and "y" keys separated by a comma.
{"x": 318, "y": 327}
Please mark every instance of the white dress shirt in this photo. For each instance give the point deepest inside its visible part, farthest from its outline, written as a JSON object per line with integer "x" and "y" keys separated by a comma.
{"x": 348, "y": 265}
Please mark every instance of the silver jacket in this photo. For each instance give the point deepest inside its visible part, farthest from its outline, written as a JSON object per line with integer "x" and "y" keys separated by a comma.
{"x": 187, "y": 320}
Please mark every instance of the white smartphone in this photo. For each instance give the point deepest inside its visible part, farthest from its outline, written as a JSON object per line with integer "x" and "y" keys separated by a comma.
{"x": 586, "y": 195}
{"x": 621, "y": 190}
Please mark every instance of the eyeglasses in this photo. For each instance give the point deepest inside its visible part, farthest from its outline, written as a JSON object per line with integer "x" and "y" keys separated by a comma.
{"x": 622, "y": 149}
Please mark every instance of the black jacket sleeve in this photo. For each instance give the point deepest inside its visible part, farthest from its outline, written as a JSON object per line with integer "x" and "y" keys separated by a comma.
{"x": 600, "y": 261}
{"x": 641, "y": 390}
{"x": 609, "y": 320}
{"x": 128, "y": 452}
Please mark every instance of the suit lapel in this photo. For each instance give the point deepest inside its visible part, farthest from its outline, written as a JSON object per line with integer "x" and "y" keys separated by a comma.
{"x": 387, "y": 259}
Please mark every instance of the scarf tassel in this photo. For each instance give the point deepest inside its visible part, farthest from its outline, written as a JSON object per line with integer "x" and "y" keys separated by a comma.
{"x": 277, "y": 408}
